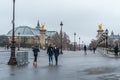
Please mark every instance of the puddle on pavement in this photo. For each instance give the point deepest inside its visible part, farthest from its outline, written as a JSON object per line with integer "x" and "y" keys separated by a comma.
{"x": 99, "y": 70}
{"x": 12, "y": 74}
{"x": 110, "y": 77}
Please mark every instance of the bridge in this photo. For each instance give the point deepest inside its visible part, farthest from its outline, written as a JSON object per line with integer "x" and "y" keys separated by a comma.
{"x": 73, "y": 65}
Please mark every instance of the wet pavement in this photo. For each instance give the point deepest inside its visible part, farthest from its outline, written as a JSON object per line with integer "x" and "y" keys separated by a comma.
{"x": 72, "y": 66}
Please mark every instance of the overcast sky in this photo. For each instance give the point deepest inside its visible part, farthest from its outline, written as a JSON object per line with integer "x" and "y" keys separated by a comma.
{"x": 80, "y": 16}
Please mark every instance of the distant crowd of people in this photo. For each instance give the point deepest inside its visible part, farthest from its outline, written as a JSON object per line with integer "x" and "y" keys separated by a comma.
{"x": 115, "y": 49}
{"x": 90, "y": 48}
{"x": 53, "y": 51}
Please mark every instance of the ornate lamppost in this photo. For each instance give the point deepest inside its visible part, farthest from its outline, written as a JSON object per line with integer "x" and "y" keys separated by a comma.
{"x": 82, "y": 44}
{"x": 37, "y": 40}
{"x": 106, "y": 38}
{"x": 79, "y": 43}
{"x": 61, "y": 24}
{"x": 12, "y": 60}
{"x": 18, "y": 41}
{"x": 106, "y": 32}
{"x": 74, "y": 41}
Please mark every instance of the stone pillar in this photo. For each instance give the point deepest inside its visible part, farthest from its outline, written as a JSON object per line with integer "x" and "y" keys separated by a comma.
{"x": 42, "y": 38}
{"x": 100, "y": 31}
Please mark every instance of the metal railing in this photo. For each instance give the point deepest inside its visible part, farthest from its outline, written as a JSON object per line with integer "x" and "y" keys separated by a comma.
{"x": 108, "y": 52}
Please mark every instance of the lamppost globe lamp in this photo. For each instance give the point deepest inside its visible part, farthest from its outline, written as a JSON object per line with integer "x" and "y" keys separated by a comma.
{"x": 74, "y": 33}
{"x": 61, "y": 24}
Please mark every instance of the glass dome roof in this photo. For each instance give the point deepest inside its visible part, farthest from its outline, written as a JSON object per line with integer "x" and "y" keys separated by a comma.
{"x": 24, "y": 31}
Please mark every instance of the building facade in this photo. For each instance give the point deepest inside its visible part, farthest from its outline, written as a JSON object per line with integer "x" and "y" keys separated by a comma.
{"x": 26, "y": 35}
{"x": 115, "y": 38}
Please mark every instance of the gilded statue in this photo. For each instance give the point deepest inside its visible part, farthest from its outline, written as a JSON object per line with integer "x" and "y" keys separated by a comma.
{"x": 42, "y": 25}
{"x": 100, "y": 26}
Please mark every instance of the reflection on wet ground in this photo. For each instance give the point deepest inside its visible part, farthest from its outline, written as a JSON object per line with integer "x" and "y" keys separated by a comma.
{"x": 99, "y": 70}
{"x": 72, "y": 66}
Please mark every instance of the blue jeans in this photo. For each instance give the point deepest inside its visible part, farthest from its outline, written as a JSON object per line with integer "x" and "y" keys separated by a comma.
{"x": 50, "y": 58}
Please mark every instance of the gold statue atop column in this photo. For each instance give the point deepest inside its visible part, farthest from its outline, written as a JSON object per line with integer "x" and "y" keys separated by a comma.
{"x": 42, "y": 25}
{"x": 100, "y": 26}
{"x": 100, "y": 30}
{"x": 42, "y": 35}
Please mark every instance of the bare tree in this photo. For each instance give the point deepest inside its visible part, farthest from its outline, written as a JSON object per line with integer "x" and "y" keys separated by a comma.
{"x": 56, "y": 39}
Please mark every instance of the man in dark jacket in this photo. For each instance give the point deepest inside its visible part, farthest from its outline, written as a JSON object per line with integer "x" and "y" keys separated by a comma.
{"x": 35, "y": 51}
{"x": 50, "y": 53}
{"x": 116, "y": 50}
{"x": 94, "y": 48}
{"x": 56, "y": 54}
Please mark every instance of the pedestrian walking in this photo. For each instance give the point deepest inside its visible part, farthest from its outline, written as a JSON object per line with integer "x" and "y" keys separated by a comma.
{"x": 7, "y": 46}
{"x": 50, "y": 53}
{"x": 90, "y": 48}
{"x": 116, "y": 50}
{"x": 85, "y": 49}
{"x": 56, "y": 54}
{"x": 35, "y": 51}
{"x": 94, "y": 49}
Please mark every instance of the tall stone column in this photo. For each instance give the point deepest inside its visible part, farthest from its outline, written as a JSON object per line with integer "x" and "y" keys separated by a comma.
{"x": 42, "y": 36}
{"x": 100, "y": 31}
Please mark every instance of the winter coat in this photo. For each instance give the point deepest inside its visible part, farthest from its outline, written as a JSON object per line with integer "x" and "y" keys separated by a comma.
{"x": 50, "y": 51}
{"x": 116, "y": 49}
{"x": 56, "y": 51}
{"x": 35, "y": 51}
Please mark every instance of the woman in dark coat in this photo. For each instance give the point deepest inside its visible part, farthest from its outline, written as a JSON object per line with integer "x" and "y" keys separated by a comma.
{"x": 56, "y": 54}
{"x": 35, "y": 51}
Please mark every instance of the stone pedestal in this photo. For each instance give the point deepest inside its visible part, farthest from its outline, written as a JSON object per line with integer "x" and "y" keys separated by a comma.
{"x": 42, "y": 38}
{"x": 99, "y": 33}
{"x": 100, "y": 30}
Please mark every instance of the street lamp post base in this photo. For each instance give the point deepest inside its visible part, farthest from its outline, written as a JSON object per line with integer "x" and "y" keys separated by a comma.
{"x": 12, "y": 61}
